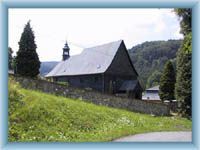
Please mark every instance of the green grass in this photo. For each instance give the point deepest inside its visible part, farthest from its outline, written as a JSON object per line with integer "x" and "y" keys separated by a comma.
{"x": 36, "y": 116}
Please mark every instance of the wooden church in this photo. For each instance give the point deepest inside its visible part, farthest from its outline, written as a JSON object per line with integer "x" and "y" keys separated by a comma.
{"x": 106, "y": 68}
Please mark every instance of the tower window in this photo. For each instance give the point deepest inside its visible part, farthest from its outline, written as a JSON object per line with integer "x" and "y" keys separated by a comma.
{"x": 66, "y": 53}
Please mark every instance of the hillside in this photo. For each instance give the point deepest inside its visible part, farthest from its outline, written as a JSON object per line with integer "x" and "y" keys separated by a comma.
{"x": 46, "y": 67}
{"x": 149, "y": 59}
{"x": 36, "y": 116}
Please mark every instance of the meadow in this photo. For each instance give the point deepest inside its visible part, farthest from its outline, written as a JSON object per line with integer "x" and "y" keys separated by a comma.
{"x": 40, "y": 117}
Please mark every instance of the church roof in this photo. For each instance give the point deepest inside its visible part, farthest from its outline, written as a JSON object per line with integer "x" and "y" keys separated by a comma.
{"x": 91, "y": 61}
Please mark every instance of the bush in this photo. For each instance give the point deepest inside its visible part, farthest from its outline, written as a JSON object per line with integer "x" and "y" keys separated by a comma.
{"x": 14, "y": 95}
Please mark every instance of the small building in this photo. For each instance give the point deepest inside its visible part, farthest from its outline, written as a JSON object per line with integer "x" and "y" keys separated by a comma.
{"x": 151, "y": 94}
{"x": 106, "y": 68}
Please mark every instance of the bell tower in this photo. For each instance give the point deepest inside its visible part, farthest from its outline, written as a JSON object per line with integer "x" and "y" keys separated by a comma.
{"x": 66, "y": 52}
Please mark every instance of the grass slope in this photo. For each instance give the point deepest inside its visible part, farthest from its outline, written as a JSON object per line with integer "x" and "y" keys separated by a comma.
{"x": 36, "y": 116}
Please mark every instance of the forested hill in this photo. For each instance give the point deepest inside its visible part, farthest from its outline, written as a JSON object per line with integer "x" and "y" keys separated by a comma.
{"x": 149, "y": 59}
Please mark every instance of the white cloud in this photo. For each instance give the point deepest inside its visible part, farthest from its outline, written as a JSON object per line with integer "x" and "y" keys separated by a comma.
{"x": 90, "y": 27}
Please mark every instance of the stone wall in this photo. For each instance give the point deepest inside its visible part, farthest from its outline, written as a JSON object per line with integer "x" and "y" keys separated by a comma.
{"x": 98, "y": 98}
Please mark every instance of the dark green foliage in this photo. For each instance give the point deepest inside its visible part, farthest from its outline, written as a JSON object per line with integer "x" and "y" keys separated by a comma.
{"x": 167, "y": 82}
{"x": 185, "y": 16}
{"x": 14, "y": 64}
{"x": 27, "y": 61}
{"x": 187, "y": 45}
{"x": 184, "y": 77}
{"x": 154, "y": 79}
{"x": 10, "y": 58}
{"x": 183, "y": 87}
{"x": 149, "y": 57}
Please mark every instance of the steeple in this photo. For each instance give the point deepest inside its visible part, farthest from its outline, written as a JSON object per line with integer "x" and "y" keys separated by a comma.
{"x": 66, "y": 52}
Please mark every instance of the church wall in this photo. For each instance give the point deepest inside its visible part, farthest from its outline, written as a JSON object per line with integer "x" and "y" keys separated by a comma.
{"x": 116, "y": 81}
{"x": 119, "y": 71}
{"x": 93, "y": 81}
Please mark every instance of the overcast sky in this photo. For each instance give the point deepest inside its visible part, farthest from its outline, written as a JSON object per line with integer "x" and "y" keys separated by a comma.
{"x": 84, "y": 28}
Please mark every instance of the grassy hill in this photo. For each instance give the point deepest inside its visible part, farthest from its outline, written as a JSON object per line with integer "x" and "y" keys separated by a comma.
{"x": 36, "y": 116}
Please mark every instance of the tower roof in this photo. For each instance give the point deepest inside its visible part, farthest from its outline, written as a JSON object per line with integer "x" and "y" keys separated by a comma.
{"x": 66, "y": 46}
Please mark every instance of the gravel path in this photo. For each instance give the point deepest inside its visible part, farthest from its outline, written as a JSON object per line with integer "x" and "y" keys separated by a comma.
{"x": 158, "y": 137}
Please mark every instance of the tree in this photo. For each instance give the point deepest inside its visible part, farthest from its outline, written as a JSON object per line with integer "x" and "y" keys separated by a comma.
{"x": 14, "y": 65}
{"x": 185, "y": 16}
{"x": 27, "y": 61}
{"x": 183, "y": 88}
{"x": 149, "y": 57}
{"x": 154, "y": 79}
{"x": 167, "y": 82}
{"x": 10, "y": 58}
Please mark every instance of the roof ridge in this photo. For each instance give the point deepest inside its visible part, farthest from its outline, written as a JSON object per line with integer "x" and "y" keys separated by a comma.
{"x": 104, "y": 44}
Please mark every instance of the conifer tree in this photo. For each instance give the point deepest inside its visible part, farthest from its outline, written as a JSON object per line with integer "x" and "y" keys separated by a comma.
{"x": 183, "y": 87}
{"x": 10, "y": 58}
{"x": 167, "y": 82}
{"x": 27, "y": 61}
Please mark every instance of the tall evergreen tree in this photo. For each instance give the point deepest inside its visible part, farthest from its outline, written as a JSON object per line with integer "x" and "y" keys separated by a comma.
{"x": 167, "y": 82}
{"x": 183, "y": 87}
{"x": 10, "y": 58}
{"x": 27, "y": 61}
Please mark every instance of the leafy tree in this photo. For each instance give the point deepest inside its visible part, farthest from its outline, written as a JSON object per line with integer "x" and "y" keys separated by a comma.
{"x": 183, "y": 88}
{"x": 10, "y": 58}
{"x": 185, "y": 16}
{"x": 27, "y": 61}
{"x": 167, "y": 82}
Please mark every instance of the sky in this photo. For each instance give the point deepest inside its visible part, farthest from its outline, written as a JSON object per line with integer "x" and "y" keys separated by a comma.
{"x": 84, "y": 28}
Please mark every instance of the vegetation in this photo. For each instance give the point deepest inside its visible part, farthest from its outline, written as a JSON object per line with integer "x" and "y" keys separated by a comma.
{"x": 27, "y": 61}
{"x": 154, "y": 79}
{"x": 183, "y": 88}
{"x": 185, "y": 16}
{"x": 10, "y": 58}
{"x": 184, "y": 78}
{"x": 36, "y": 116}
{"x": 167, "y": 82}
{"x": 149, "y": 59}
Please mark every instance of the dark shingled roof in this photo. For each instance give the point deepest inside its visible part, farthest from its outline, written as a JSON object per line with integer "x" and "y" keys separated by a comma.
{"x": 91, "y": 61}
{"x": 128, "y": 85}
